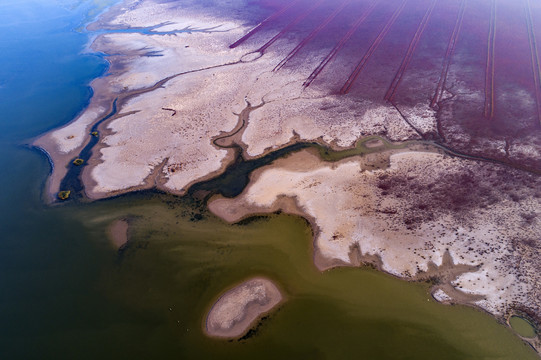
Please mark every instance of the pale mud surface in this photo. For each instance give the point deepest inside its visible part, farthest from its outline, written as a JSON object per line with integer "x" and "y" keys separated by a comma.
{"x": 236, "y": 311}
{"x": 471, "y": 227}
{"x": 162, "y": 135}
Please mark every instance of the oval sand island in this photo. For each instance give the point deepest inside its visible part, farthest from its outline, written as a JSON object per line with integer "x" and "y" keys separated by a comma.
{"x": 236, "y": 310}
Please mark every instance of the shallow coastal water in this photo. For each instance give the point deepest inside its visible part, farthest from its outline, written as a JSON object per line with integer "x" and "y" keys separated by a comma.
{"x": 66, "y": 292}
{"x": 522, "y": 326}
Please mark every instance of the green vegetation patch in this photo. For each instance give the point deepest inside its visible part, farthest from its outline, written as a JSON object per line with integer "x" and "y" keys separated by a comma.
{"x": 78, "y": 162}
{"x": 64, "y": 194}
{"x": 361, "y": 148}
{"x": 94, "y": 133}
{"x": 522, "y": 326}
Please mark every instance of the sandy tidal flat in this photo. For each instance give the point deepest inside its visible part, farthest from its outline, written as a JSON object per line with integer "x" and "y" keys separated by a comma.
{"x": 162, "y": 135}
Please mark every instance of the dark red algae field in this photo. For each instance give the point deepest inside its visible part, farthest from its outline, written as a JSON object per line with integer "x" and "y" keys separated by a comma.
{"x": 475, "y": 63}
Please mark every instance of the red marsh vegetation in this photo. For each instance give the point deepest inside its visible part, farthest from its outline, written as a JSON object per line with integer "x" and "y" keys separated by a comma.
{"x": 474, "y": 63}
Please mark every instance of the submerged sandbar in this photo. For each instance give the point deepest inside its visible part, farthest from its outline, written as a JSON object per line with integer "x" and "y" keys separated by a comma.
{"x": 118, "y": 233}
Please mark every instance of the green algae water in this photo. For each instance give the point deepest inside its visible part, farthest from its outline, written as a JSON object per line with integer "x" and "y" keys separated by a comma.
{"x": 522, "y": 326}
{"x": 67, "y": 293}
{"x": 149, "y": 300}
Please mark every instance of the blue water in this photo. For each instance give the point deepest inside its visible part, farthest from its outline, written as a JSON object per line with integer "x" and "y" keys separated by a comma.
{"x": 44, "y": 81}
{"x": 43, "y": 75}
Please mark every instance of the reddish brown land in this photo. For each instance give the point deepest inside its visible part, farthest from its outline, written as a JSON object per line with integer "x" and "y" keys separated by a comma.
{"x": 474, "y": 63}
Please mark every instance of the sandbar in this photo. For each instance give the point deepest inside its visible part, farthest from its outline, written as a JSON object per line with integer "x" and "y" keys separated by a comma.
{"x": 239, "y": 308}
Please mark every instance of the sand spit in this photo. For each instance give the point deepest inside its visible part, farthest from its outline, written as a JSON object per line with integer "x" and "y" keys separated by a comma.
{"x": 236, "y": 310}
{"x": 65, "y": 143}
{"x": 472, "y": 228}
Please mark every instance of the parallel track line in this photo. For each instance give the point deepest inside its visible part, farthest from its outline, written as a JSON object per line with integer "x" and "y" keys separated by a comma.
{"x": 312, "y": 34}
{"x": 294, "y": 22}
{"x": 339, "y": 45}
{"x": 536, "y": 65}
{"x": 362, "y": 63}
{"x": 438, "y": 95}
{"x": 263, "y": 23}
{"x": 489, "y": 70}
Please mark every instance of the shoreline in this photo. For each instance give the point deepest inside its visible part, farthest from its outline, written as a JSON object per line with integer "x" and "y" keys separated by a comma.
{"x": 104, "y": 95}
{"x": 443, "y": 276}
{"x": 101, "y": 100}
{"x": 289, "y": 206}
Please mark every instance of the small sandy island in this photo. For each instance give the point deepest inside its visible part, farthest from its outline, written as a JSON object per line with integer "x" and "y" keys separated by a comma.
{"x": 237, "y": 309}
